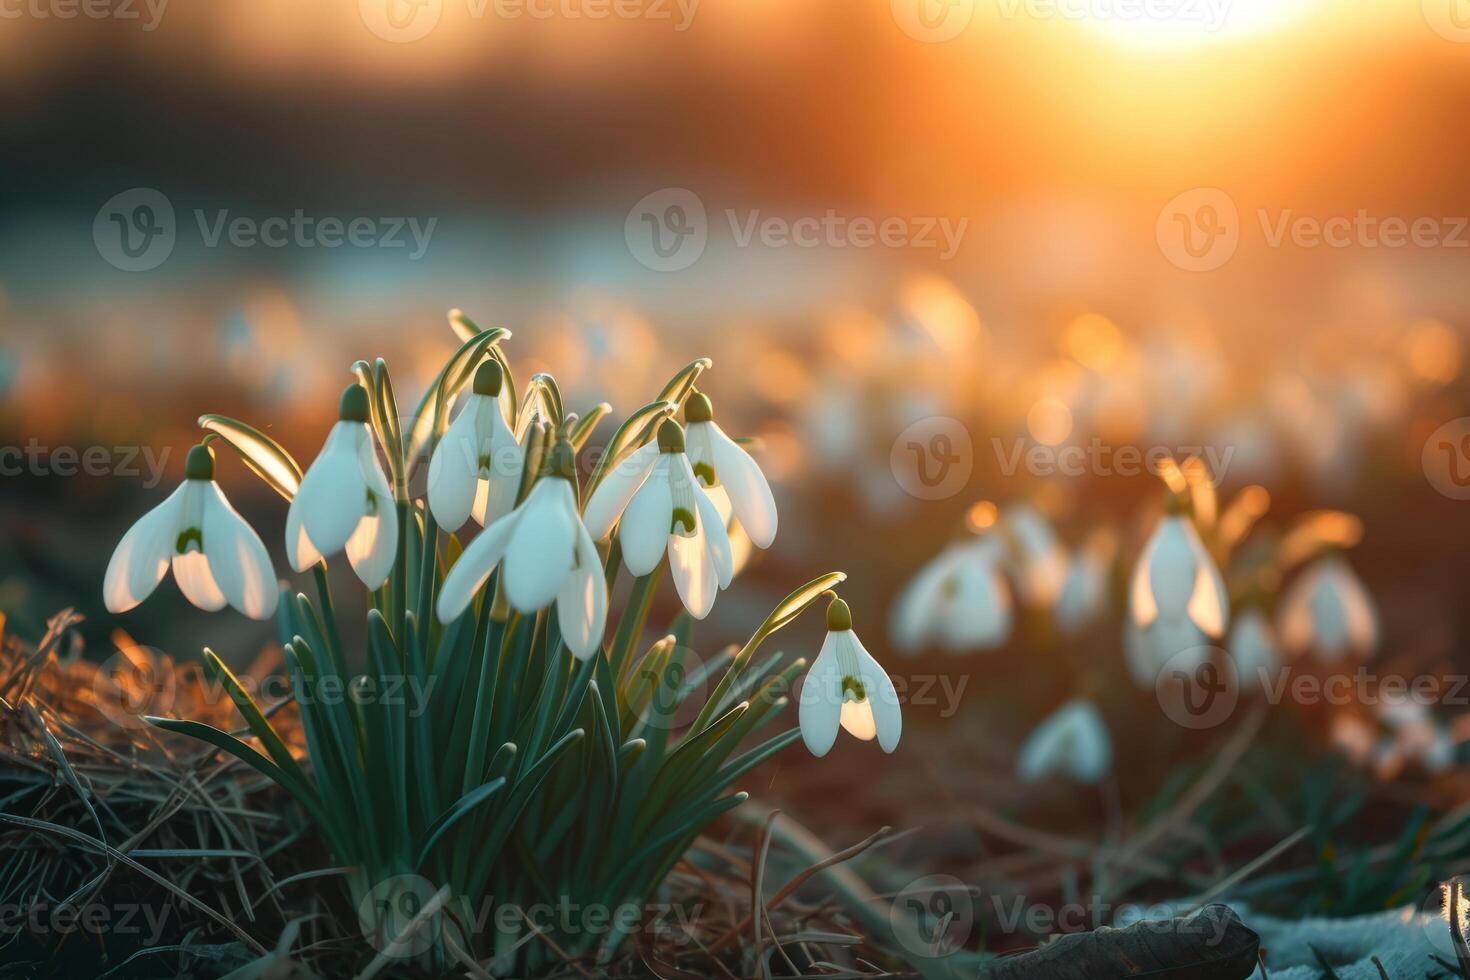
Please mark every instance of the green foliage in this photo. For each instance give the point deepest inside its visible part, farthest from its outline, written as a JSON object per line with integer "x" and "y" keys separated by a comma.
{"x": 479, "y": 754}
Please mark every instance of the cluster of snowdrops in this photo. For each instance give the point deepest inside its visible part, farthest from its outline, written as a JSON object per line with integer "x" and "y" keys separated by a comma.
{"x": 548, "y": 760}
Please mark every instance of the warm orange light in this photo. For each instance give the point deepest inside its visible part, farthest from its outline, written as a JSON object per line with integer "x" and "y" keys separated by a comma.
{"x": 1093, "y": 341}
{"x": 1433, "y": 351}
{"x": 981, "y": 516}
{"x": 1049, "y": 421}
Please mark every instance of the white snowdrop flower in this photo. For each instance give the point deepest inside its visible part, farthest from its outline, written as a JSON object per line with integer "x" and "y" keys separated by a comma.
{"x": 217, "y": 558}
{"x": 1084, "y": 589}
{"x": 1252, "y": 646}
{"x": 547, "y": 556}
{"x": 344, "y": 501}
{"x": 845, "y": 688}
{"x": 1176, "y": 600}
{"x": 958, "y": 602}
{"x": 1327, "y": 611}
{"x": 476, "y": 468}
{"x": 1037, "y": 560}
{"x": 1073, "y": 742}
{"x": 663, "y": 509}
{"x": 727, "y": 471}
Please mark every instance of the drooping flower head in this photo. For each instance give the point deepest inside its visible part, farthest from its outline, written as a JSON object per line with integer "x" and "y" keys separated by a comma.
{"x": 216, "y": 557}
{"x": 845, "y": 688}
{"x": 476, "y": 467}
{"x": 728, "y": 473}
{"x": 1176, "y": 598}
{"x": 959, "y": 601}
{"x": 659, "y": 507}
{"x": 1253, "y": 647}
{"x": 1328, "y": 612}
{"x": 545, "y": 555}
{"x": 1072, "y": 742}
{"x": 344, "y": 501}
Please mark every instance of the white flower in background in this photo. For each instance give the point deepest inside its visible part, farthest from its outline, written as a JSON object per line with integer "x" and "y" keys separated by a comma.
{"x": 959, "y": 601}
{"x": 344, "y": 501}
{"x": 1327, "y": 611}
{"x": 217, "y": 558}
{"x": 1071, "y": 742}
{"x": 548, "y": 556}
{"x": 1417, "y": 735}
{"x": 663, "y": 509}
{"x": 476, "y": 468}
{"x": 1252, "y": 645}
{"x": 728, "y": 473}
{"x": 845, "y": 688}
{"x": 1036, "y": 558}
{"x": 1176, "y": 600}
{"x": 1084, "y": 588}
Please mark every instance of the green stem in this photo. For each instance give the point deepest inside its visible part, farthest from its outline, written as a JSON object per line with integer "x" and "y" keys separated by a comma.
{"x": 425, "y": 598}
{"x": 630, "y": 626}
{"x": 329, "y": 619}
{"x": 400, "y": 569}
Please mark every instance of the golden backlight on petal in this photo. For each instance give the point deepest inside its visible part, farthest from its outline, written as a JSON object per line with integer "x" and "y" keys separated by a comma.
{"x": 197, "y": 582}
{"x": 857, "y": 718}
{"x": 360, "y": 545}
{"x": 1204, "y": 604}
{"x": 1141, "y": 604}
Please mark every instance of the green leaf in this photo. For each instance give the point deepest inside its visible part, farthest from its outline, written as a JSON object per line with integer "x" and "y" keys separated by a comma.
{"x": 254, "y": 718}
{"x": 451, "y": 816}
{"x": 259, "y": 451}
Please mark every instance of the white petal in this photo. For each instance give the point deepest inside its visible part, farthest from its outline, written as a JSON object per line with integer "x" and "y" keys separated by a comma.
{"x": 715, "y": 538}
{"x": 506, "y": 463}
{"x": 617, "y": 488}
{"x": 142, "y": 556}
{"x": 1072, "y": 740}
{"x": 693, "y": 569}
{"x": 1209, "y": 606}
{"x": 915, "y": 617}
{"x": 540, "y": 551}
{"x": 820, "y": 710}
{"x": 1173, "y": 567}
{"x": 333, "y": 495}
{"x": 196, "y": 581}
{"x": 881, "y": 696}
{"x": 237, "y": 557}
{"x": 979, "y": 615}
{"x": 454, "y": 471}
{"x": 374, "y": 544}
{"x": 750, "y": 493}
{"x": 300, "y": 552}
{"x": 581, "y": 605}
{"x": 473, "y": 567}
{"x": 644, "y": 532}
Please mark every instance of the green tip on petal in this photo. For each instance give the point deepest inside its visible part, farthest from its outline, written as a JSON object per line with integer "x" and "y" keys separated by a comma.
{"x": 563, "y": 461}
{"x": 698, "y": 408}
{"x": 839, "y": 617}
{"x": 354, "y": 404}
{"x": 488, "y": 378}
{"x": 670, "y": 437}
{"x": 199, "y": 464}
